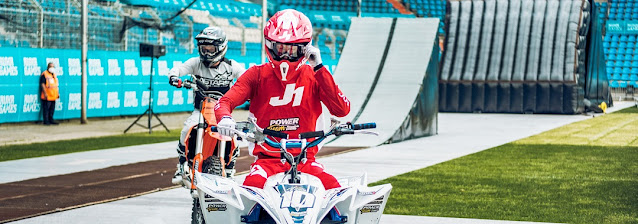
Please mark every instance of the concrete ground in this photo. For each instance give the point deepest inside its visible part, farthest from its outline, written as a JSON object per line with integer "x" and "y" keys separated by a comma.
{"x": 459, "y": 135}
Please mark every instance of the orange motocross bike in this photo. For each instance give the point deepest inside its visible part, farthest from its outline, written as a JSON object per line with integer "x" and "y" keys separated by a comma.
{"x": 207, "y": 151}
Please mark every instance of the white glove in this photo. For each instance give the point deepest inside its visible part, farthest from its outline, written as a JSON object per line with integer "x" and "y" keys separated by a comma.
{"x": 313, "y": 55}
{"x": 226, "y": 126}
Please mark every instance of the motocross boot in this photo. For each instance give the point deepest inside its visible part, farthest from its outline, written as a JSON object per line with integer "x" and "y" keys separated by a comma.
{"x": 179, "y": 173}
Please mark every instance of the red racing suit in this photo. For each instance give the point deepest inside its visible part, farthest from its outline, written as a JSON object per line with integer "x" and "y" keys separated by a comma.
{"x": 292, "y": 106}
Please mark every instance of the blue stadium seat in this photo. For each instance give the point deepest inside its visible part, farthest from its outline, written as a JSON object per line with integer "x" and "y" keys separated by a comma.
{"x": 612, "y": 51}
{"x": 611, "y": 57}
{"x": 623, "y": 38}
{"x": 621, "y": 51}
{"x": 613, "y": 84}
{"x": 622, "y": 84}
{"x": 633, "y": 77}
{"x": 626, "y": 64}
{"x": 627, "y": 57}
{"x": 612, "y": 16}
{"x": 615, "y": 38}
{"x": 623, "y": 44}
{"x": 614, "y": 44}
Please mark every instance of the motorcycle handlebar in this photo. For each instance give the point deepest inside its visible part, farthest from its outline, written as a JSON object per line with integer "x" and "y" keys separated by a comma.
{"x": 364, "y": 126}
{"x": 187, "y": 84}
{"x": 276, "y": 134}
{"x": 342, "y": 130}
{"x": 190, "y": 84}
{"x": 312, "y": 134}
{"x": 200, "y": 84}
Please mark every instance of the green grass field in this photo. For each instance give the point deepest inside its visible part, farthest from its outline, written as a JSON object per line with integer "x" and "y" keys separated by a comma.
{"x": 585, "y": 172}
{"x": 12, "y": 152}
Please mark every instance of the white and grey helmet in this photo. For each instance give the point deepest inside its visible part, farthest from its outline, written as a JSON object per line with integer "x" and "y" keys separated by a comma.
{"x": 211, "y": 45}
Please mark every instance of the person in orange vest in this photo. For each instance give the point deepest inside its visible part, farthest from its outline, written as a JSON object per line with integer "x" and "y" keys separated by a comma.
{"x": 49, "y": 92}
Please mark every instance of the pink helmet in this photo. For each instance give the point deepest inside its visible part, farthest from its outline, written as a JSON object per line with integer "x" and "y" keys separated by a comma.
{"x": 287, "y": 33}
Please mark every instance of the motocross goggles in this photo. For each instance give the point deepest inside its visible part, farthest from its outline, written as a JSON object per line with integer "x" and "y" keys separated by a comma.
{"x": 286, "y": 51}
{"x": 209, "y": 51}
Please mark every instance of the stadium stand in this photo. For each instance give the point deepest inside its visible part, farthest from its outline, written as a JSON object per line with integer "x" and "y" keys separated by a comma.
{"x": 120, "y": 25}
{"x": 428, "y": 8}
{"x": 619, "y": 44}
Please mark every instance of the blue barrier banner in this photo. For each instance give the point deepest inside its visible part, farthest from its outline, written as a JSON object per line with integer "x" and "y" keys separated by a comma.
{"x": 118, "y": 83}
{"x": 10, "y": 99}
{"x": 622, "y": 27}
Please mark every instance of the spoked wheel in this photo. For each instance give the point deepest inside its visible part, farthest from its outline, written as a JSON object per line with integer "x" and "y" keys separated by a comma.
{"x": 196, "y": 216}
{"x": 212, "y": 165}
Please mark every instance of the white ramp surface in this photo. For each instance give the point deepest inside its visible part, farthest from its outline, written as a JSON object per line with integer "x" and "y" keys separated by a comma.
{"x": 400, "y": 81}
{"x": 360, "y": 60}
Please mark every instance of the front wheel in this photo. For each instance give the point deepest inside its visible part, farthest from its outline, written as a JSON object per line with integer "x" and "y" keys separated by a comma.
{"x": 196, "y": 215}
{"x": 212, "y": 165}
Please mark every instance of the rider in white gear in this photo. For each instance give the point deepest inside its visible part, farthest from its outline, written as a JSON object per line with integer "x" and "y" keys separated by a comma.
{"x": 213, "y": 69}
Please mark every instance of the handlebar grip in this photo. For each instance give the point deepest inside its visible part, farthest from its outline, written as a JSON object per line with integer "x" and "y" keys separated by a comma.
{"x": 187, "y": 84}
{"x": 276, "y": 134}
{"x": 364, "y": 126}
{"x": 312, "y": 134}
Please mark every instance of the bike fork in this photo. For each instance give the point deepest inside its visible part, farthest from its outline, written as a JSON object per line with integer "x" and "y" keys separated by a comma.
{"x": 221, "y": 153}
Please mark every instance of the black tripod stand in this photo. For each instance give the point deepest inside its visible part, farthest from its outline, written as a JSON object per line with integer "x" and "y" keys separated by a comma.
{"x": 149, "y": 111}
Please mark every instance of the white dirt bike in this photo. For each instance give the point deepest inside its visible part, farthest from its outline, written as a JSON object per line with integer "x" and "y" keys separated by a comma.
{"x": 290, "y": 197}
